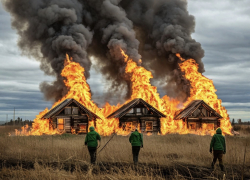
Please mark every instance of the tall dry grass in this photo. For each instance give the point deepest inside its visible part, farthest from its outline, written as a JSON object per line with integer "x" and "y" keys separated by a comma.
{"x": 165, "y": 151}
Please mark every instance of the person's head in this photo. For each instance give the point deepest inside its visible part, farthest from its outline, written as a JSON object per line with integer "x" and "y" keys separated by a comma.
{"x": 91, "y": 128}
{"x": 136, "y": 129}
{"x": 218, "y": 131}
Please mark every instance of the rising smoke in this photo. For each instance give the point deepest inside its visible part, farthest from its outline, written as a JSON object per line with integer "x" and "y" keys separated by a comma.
{"x": 158, "y": 29}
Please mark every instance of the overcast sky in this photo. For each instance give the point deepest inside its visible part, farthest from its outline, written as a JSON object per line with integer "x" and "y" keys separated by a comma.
{"x": 222, "y": 27}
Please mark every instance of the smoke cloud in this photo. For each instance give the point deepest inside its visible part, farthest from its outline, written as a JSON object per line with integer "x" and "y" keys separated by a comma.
{"x": 164, "y": 28}
{"x": 48, "y": 29}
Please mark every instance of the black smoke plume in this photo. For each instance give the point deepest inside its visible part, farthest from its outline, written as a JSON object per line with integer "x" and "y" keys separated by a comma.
{"x": 158, "y": 29}
{"x": 48, "y": 29}
{"x": 164, "y": 28}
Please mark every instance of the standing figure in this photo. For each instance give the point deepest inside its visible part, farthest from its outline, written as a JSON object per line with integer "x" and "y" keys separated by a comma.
{"x": 93, "y": 141}
{"x": 218, "y": 145}
{"x": 136, "y": 140}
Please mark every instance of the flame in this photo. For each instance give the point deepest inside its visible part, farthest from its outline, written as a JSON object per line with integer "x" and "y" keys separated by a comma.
{"x": 78, "y": 89}
{"x": 203, "y": 88}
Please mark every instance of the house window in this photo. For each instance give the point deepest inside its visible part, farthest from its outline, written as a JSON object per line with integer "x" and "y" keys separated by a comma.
{"x": 149, "y": 126}
{"x": 145, "y": 111}
{"x": 67, "y": 110}
{"x": 210, "y": 126}
{"x": 60, "y": 124}
{"x": 138, "y": 111}
{"x": 82, "y": 127}
{"x": 192, "y": 126}
{"x": 131, "y": 111}
{"x": 128, "y": 126}
{"x": 75, "y": 110}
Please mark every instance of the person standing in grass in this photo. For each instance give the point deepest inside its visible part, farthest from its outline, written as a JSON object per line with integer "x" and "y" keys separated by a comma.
{"x": 136, "y": 140}
{"x": 93, "y": 141}
{"x": 218, "y": 145}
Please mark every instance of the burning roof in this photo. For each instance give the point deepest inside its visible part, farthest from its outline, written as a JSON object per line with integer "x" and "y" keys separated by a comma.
{"x": 57, "y": 109}
{"x": 127, "y": 107}
{"x": 192, "y": 106}
{"x": 142, "y": 92}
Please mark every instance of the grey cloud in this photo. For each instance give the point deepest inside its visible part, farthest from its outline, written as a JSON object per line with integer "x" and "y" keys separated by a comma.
{"x": 221, "y": 27}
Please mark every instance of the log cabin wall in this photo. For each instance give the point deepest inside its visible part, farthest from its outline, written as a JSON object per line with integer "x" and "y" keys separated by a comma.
{"x": 138, "y": 113}
{"x": 72, "y": 116}
{"x": 198, "y": 114}
{"x": 146, "y": 124}
{"x": 155, "y": 123}
{"x": 199, "y": 122}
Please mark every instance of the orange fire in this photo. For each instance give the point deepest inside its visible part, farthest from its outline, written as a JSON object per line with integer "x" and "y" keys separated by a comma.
{"x": 201, "y": 88}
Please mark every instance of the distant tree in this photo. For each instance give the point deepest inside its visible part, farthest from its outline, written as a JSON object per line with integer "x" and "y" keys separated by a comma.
{"x": 233, "y": 122}
{"x": 239, "y": 121}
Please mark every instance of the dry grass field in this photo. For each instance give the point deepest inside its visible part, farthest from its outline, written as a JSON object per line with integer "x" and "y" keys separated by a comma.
{"x": 163, "y": 157}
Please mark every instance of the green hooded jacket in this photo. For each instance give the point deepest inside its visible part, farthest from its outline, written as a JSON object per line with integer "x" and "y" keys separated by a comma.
{"x": 218, "y": 141}
{"x": 136, "y": 139}
{"x": 92, "y": 137}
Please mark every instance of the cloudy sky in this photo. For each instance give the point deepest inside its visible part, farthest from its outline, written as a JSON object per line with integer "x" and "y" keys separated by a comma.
{"x": 222, "y": 27}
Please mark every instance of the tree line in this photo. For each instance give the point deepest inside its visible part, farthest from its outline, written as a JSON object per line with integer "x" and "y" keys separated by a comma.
{"x": 19, "y": 122}
{"x": 239, "y": 122}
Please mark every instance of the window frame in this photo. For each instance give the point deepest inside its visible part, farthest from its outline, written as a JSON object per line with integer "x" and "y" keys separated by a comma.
{"x": 209, "y": 124}
{"x": 57, "y": 125}
{"x": 146, "y": 125}
{"x": 72, "y": 110}
{"x": 131, "y": 111}
{"x": 190, "y": 123}
{"x": 131, "y": 126}
{"x": 68, "y": 108}
{"x": 83, "y": 124}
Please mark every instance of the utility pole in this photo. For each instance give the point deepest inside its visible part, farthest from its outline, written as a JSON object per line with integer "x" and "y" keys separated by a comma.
{"x": 6, "y": 120}
{"x": 14, "y": 117}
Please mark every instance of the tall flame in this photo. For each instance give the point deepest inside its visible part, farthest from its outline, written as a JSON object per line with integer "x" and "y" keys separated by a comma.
{"x": 201, "y": 88}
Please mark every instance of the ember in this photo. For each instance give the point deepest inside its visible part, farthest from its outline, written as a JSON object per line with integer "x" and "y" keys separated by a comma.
{"x": 145, "y": 109}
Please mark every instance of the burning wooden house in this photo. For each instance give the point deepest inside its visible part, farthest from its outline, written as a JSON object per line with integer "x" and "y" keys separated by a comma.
{"x": 199, "y": 115}
{"x": 138, "y": 113}
{"x": 70, "y": 116}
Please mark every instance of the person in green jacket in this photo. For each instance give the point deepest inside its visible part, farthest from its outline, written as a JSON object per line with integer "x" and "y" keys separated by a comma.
{"x": 93, "y": 141}
{"x": 136, "y": 140}
{"x": 218, "y": 145}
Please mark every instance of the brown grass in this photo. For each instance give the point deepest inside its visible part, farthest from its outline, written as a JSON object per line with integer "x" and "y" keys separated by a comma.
{"x": 244, "y": 130}
{"x": 51, "y": 156}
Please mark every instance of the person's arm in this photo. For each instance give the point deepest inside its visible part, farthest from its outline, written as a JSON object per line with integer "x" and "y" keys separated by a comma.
{"x": 98, "y": 143}
{"x": 141, "y": 140}
{"x": 130, "y": 138}
{"x": 98, "y": 137}
{"x": 212, "y": 144}
{"x": 86, "y": 140}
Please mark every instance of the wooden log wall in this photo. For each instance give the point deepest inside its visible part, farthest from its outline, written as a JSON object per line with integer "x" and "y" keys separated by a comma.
{"x": 67, "y": 125}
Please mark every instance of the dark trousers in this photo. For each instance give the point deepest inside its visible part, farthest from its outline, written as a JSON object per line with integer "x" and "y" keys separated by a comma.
{"x": 92, "y": 153}
{"x": 218, "y": 154}
{"x": 135, "y": 151}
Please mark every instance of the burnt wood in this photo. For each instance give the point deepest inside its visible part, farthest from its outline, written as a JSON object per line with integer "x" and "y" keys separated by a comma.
{"x": 72, "y": 117}
{"x": 198, "y": 113}
{"x": 138, "y": 113}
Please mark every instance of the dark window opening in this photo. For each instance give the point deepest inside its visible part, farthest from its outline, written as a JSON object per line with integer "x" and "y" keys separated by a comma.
{"x": 149, "y": 126}
{"x": 67, "y": 110}
{"x": 75, "y": 110}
